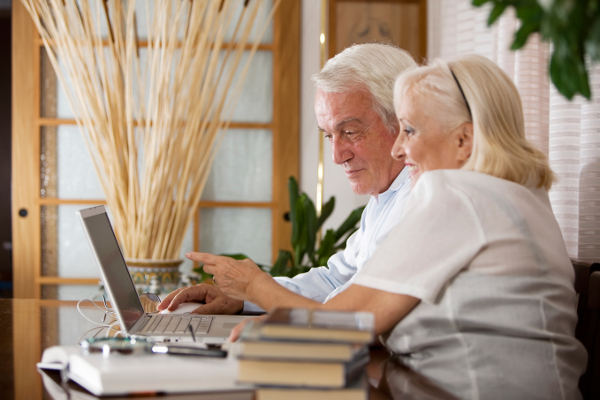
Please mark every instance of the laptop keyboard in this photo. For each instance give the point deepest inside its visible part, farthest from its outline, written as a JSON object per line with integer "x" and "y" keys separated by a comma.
{"x": 168, "y": 324}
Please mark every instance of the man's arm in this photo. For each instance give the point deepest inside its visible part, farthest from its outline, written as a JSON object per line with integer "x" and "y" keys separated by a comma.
{"x": 316, "y": 284}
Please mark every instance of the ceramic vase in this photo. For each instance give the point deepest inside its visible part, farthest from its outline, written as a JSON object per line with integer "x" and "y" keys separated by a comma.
{"x": 154, "y": 276}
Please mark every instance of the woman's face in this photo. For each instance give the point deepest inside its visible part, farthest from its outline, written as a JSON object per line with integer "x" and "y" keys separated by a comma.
{"x": 423, "y": 140}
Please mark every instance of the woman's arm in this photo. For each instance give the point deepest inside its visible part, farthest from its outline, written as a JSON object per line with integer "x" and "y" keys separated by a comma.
{"x": 244, "y": 280}
{"x": 389, "y": 308}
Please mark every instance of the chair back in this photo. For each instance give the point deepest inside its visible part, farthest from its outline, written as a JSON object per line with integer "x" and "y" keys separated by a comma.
{"x": 587, "y": 285}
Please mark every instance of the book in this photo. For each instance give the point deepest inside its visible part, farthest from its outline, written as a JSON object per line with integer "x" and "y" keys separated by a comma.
{"x": 252, "y": 345}
{"x": 143, "y": 373}
{"x": 303, "y": 348}
{"x": 300, "y": 373}
{"x": 59, "y": 390}
{"x": 57, "y": 357}
{"x": 318, "y": 325}
{"x": 357, "y": 390}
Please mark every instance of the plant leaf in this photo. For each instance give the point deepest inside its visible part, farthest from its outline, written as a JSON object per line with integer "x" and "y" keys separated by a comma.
{"x": 280, "y": 268}
{"x": 203, "y": 275}
{"x": 294, "y": 194}
{"x": 236, "y": 256}
{"x": 326, "y": 248}
{"x": 592, "y": 43}
{"x": 349, "y": 223}
{"x": 326, "y": 212}
{"x": 567, "y": 70}
{"x": 560, "y": 80}
{"x": 300, "y": 245}
{"x": 310, "y": 215}
{"x": 523, "y": 34}
{"x": 496, "y": 12}
{"x": 583, "y": 85}
{"x": 529, "y": 11}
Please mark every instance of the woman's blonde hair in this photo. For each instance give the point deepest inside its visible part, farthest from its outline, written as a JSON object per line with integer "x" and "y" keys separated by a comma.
{"x": 499, "y": 145}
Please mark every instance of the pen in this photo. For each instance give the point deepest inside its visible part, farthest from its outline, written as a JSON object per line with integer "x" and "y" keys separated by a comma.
{"x": 187, "y": 351}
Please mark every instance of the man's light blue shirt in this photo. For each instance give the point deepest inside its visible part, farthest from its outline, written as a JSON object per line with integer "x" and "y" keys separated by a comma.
{"x": 382, "y": 213}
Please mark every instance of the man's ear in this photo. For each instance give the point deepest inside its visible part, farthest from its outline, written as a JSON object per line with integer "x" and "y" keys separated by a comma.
{"x": 464, "y": 140}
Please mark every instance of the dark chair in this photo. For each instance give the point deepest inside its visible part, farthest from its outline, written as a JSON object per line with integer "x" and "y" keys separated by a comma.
{"x": 587, "y": 285}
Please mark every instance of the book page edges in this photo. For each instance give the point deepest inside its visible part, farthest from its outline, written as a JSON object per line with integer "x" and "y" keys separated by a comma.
{"x": 335, "y": 335}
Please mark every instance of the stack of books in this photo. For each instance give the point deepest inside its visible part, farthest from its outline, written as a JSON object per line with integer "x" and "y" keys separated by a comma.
{"x": 302, "y": 353}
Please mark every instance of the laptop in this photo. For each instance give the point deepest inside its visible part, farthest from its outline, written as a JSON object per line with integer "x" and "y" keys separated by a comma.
{"x": 209, "y": 329}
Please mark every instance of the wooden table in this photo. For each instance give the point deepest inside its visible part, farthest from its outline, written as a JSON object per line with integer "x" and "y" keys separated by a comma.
{"x": 29, "y": 326}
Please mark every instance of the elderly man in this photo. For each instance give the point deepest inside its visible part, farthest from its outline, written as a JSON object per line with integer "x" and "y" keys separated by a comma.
{"x": 355, "y": 111}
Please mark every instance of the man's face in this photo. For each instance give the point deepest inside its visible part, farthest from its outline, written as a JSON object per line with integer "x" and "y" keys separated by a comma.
{"x": 359, "y": 140}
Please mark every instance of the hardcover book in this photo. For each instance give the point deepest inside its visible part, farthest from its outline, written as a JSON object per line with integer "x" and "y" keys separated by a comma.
{"x": 318, "y": 325}
{"x": 145, "y": 373}
{"x": 252, "y": 345}
{"x": 357, "y": 390}
{"x": 300, "y": 374}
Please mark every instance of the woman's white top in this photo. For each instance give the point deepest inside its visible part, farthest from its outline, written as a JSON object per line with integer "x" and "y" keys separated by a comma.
{"x": 497, "y": 314}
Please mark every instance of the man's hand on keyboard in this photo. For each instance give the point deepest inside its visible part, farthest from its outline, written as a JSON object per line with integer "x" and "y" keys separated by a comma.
{"x": 216, "y": 301}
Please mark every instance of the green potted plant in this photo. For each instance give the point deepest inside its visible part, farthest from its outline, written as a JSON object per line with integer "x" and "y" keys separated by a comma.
{"x": 572, "y": 26}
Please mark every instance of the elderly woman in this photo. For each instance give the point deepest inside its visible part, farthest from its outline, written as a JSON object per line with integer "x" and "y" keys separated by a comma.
{"x": 473, "y": 289}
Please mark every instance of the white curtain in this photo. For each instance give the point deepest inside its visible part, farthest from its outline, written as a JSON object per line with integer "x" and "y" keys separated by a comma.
{"x": 567, "y": 131}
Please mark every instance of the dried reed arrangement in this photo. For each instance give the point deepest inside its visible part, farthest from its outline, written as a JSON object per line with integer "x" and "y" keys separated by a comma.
{"x": 152, "y": 112}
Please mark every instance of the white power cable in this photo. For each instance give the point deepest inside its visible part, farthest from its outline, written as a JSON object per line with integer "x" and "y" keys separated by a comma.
{"x": 98, "y": 328}
{"x": 98, "y": 307}
{"x": 111, "y": 328}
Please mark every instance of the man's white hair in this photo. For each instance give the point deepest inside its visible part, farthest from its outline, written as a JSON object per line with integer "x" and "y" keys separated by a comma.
{"x": 372, "y": 66}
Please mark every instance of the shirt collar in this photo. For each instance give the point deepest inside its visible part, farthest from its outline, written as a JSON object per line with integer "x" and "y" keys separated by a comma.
{"x": 401, "y": 180}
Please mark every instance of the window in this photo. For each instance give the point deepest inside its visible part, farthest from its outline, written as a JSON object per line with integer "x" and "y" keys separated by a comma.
{"x": 53, "y": 175}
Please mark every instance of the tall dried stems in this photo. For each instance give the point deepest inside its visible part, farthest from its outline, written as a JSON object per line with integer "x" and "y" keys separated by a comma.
{"x": 152, "y": 113}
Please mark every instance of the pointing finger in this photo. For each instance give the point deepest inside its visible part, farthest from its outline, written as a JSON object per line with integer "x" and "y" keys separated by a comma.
{"x": 204, "y": 257}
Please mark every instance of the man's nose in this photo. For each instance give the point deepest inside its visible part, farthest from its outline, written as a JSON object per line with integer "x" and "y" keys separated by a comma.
{"x": 398, "y": 151}
{"x": 339, "y": 151}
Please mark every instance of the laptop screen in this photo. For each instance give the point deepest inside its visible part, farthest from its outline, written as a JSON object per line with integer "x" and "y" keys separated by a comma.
{"x": 116, "y": 276}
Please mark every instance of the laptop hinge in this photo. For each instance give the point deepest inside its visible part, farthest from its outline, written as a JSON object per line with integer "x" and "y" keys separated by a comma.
{"x": 139, "y": 325}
